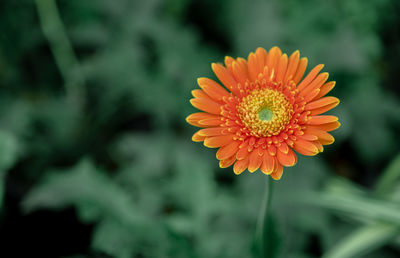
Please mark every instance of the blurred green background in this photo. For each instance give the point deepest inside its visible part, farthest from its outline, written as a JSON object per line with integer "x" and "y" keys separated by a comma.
{"x": 96, "y": 159}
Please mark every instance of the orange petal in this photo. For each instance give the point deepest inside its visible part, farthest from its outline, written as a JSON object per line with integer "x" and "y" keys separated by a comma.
{"x": 198, "y": 138}
{"x": 261, "y": 54}
{"x": 228, "y": 151}
{"x": 206, "y": 105}
{"x": 253, "y": 66}
{"x": 225, "y": 77}
{"x": 283, "y": 147}
{"x": 324, "y": 119}
{"x": 195, "y": 118}
{"x": 305, "y": 147}
{"x": 327, "y": 127}
{"x": 326, "y": 139}
{"x": 239, "y": 72}
{"x": 243, "y": 63}
{"x": 212, "y": 131}
{"x": 319, "y": 146}
{"x": 322, "y": 103}
{"x": 278, "y": 171}
{"x": 311, "y": 95}
{"x": 218, "y": 141}
{"x": 267, "y": 166}
{"x": 200, "y": 116}
{"x": 197, "y": 93}
{"x": 315, "y": 84}
{"x": 212, "y": 88}
{"x": 322, "y": 110}
{"x": 272, "y": 150}
{"x": 282, "y": 65}
{"x": 300, "y": 70}
{"x": 193, "y": 121}
{"x": 228, "y": 60}
{"x": 211, "y": 122}
{"x": 240, "y": 165}
{"x": 308, "y": 137}
{"x": 255, "y": 160}
{"x": 288, "y": 160}
{"x": 323, "y": 137}
{"x": 293, "y": 63}
{"x": 327, "y": 87}
{"x": 196, "y": 123}
{"x": 273, "y": 57}
{"x": 310, "y": 77}
{"x": 242, "y": 153}
{"x": 227, "y": 162}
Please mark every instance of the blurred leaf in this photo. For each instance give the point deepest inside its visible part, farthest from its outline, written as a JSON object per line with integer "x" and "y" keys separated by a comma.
{"x": 8, "y": 150}
{"x": 347, "y": 198}
{"x": 9, "y": 155}
{"x": 342, "y": 186}
{"x": 389, "y": 177}
{"x": 373, "y": 117}
{"x": 113, "y": 239}
{"x": 359, "y": 207}
{"x": 80, "y": 186}
{"x": 97, "y": 199}
{"x": 363, "y": 240}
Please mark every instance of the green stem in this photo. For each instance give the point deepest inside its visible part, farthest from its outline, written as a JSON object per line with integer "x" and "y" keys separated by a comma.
{"x": 66, "y": 60}
{"x": 263, "y": 218}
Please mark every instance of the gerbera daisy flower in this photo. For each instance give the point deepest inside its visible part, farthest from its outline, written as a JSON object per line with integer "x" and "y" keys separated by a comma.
{"x": 264, "y": 112}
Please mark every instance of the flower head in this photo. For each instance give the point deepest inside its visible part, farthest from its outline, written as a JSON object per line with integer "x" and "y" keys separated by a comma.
{"x": 264, "y": 112}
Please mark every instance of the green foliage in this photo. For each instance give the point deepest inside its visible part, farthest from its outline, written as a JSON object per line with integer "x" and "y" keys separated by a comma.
{"x": 364, "y": 240}
{"x": 185, "y": 208}
{"x": 9, "y": 151}
{"x": 381, "y": 217}
{"x": 389, "y": 177}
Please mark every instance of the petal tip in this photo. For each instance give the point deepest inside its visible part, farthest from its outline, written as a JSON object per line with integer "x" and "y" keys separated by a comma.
{"x": 274, "y": 48}
{"x": 260, "y": 49}
{"x": 227, "y": 58}
{"x": 200, "y": 80}
{"x": 197, "y": 138}
{"x": 205, "y": 144}
{"x": 237, "y": 172}
{"x": 276, "y": 176}
{"x": 187, "y": 119}
{"x": 251, "y": 170}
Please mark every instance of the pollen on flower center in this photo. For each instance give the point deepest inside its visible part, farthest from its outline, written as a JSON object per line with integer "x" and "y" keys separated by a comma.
{"x": 265, "y": 112}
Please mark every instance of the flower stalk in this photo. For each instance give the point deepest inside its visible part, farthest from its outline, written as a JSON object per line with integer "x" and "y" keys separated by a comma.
{"x": 265, "y": 246}
{"x": 62, "y": 50}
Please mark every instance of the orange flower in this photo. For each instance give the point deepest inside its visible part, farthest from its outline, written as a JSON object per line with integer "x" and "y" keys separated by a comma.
{"x": 265, "y": 112}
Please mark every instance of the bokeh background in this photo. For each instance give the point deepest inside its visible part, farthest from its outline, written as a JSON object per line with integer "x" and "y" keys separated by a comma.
{"x": 96, "y": 159}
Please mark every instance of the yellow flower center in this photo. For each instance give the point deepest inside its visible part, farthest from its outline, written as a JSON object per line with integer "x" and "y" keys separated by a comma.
{"x": 265, "y": 112}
